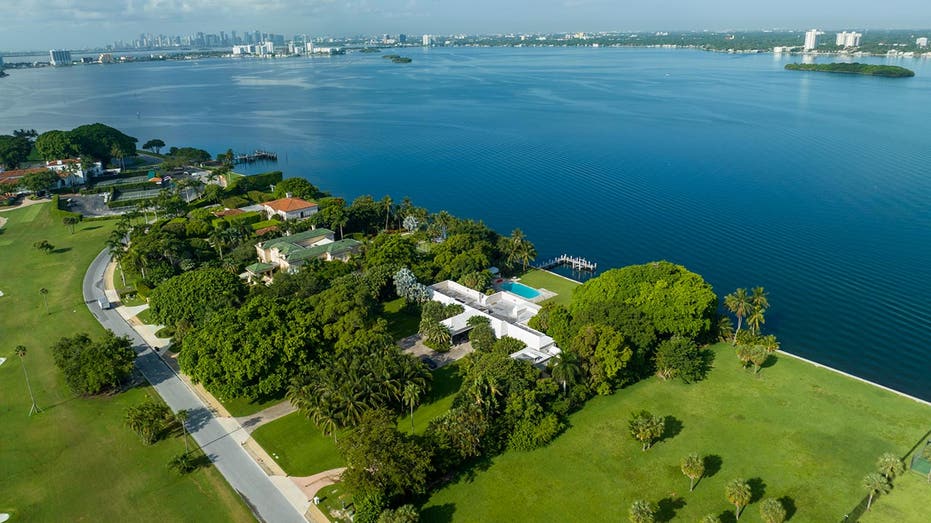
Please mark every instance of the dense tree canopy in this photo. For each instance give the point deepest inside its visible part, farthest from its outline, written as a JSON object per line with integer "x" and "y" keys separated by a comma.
{"x": 53, "y": 145}
{"x": 195, "y": 295}
{"x": 91, "y": 367}
{"x": 99, "y": 141}
{"x": 14, "y": 150}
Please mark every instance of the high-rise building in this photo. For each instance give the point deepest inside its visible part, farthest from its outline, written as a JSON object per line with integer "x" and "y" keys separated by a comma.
{"x": 811, "y": 39}
{"x": 58, "y": 58}
{"x": 427, "y": 40}
{"x": 848, "y": 39}
{"x": 921, "y": 42}
{"x": 402, "y": 38}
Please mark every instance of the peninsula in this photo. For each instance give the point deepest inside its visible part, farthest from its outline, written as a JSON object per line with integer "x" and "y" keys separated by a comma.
{"x": 888, "y": 71}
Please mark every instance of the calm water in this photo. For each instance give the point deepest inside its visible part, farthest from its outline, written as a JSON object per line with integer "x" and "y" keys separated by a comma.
{"x": 815, "y": 186}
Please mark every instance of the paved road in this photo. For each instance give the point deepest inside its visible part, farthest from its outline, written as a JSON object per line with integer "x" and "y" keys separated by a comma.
{"x": 239, "y": 469}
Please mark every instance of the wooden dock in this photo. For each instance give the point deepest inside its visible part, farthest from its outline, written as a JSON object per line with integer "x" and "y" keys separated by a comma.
{"x": 575, "y": 262}
{"x": 255, "y": 156}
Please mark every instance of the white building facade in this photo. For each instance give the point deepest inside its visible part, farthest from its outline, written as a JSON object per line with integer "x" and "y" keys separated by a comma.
{"x": 848, "y": 39}
{"x": 811, "y": 39}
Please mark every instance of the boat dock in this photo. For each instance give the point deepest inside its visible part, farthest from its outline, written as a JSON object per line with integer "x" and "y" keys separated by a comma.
{"x": 255, "y": 156}
{"x": 575, "y": 262}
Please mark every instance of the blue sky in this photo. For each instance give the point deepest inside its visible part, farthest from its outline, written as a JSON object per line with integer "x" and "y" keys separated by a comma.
{"x": 43, "y": 24}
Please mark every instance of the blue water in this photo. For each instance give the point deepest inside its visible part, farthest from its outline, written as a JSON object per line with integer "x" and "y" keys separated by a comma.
{"x": 520, "y": 289}
{"x": 815, "y": 186}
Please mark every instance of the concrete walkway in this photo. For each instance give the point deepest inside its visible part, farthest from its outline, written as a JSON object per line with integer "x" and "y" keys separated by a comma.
{"x": 310, "y": 485}
{"x": 276, "y": 411}
{"x": 25, "y": 203}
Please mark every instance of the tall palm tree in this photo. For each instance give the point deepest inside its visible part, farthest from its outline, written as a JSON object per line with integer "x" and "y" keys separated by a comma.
{"x": 117, "y": 251}
{"x": 21, "y": 352}
{"x": 388, "y": 203}
{"x": 875, "y": 483}
{"x": 641, "y": 511}
{"x": 890, "y": 465}
{"x": 759, "y": 299}
{"x": 738, "y": 493}
{"x": 755, "y": 320}
{"x": 565, "y": 368}
{"x": 739, "y": 303}
{"x": 693, "y": 466}
{"x": 182, "y": 416}
{"x": 411, "y": 399}
{"x": 117, "y": 152}
{"x": 44, "y": 292}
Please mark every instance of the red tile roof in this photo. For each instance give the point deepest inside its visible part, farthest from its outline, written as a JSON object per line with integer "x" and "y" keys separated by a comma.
{"x": 15, "y": 175}
{"x": 289, "y": 204}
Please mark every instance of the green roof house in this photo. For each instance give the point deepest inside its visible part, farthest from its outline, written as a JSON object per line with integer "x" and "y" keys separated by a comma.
{"x": 289, "y": 253}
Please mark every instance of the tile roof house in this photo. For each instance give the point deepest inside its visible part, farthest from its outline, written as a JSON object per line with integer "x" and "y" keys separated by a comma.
{"x": 289, "y": 253}
{"x": 70, "y": 172}
{"x": 290, "y": 208}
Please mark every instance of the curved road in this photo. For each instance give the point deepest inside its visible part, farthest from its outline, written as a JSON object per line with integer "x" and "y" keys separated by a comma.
{"x": 239, "y": 469}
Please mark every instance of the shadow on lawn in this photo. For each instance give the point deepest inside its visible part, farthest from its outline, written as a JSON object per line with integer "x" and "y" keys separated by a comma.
{"x": 712, "y": 465}
{"x": 757, "y": 489}
{"x": 439, "y": 513}
{"x": 61, "y": 250}
{"x": 672, "y": 428}
{"x": 788, "y": 504}
{"x": 667, "y": 507}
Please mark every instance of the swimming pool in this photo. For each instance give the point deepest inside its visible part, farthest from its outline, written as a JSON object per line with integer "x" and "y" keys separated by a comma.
{"x": 520, "y": 289}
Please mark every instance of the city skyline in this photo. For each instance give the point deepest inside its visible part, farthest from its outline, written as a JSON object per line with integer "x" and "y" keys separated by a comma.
{"x": 67, "y": 23}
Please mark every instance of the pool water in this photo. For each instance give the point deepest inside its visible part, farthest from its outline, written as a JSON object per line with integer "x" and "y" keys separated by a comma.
{"x": 520, "y": 289}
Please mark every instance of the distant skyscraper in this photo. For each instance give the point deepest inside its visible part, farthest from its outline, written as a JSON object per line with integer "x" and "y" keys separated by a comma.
{"x": 402, "y": 38}
{"x": 921, "y": 42}
{"x": 427, "y": 40}
{"x": 811, "y": 39}
{"x": 850, "y": 39}
{"x": 59, "y": 57}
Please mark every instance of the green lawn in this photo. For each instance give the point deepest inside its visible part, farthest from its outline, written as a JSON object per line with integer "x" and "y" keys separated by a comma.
{"x": 238, "y": 407}
{"x": 798, "y": 432}
{"x": 546, "y": 280}
{"x": 146, "y": 317}
{"x": 302, "y": 449}
{"x": 401, "y": 321}
{"x": 75, "y": 461}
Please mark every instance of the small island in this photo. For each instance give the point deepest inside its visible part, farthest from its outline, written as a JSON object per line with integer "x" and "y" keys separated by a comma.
{"x": 887, "y": 71}
{"x": 398, "y": 59}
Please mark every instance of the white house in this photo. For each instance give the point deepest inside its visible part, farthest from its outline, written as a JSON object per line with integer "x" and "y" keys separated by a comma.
{"x": 71, "y": 173}
{"x": 507, "y": 313}
{"x": 290, "y": 208}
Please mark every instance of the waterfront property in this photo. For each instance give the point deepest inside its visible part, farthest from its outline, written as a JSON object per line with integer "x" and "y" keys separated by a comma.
{"x": 71, "y": 172}
{"x": 507, "y": 313}
{"x": 290, "y": 208}
{"x": 289, "y": 253}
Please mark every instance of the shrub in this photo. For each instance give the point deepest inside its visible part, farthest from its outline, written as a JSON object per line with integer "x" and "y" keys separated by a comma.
{"x": 149, "y": 420}
{"x": 263, "y": 224}
{"x": 92, "y": 367}
{"x": 533, "y": 433}
{"x": 259, "y": 196}
{"x": 234, "y": 202}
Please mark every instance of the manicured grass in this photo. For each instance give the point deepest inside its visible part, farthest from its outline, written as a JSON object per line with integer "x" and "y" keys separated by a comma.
{"x": 303, "y": 450}
{"x": 238, "y": 407}
{"x": 146, "y": 317}
{"x": 800, "y": 432}
{"x": 402, "y": 322}
{"x": 446, "y": 382}
{"x": 332, "y": 500}
{"x": 75, "y": 461}
{"x": 300, "y": 447}
{"x": 546, "y": 280}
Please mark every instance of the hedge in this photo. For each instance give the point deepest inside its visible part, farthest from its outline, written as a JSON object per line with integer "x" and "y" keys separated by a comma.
{"x": 263, "y": 224}
{"x": 259, "y": 182}
{"x": 234, "y": 202}
{"x": 247, "y": 218}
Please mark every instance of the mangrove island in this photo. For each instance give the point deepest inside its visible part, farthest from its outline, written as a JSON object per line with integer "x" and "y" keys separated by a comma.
{"x": 888, "y": 71}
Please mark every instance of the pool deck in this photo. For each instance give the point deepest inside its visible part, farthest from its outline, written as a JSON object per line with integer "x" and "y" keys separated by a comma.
{"x": 543, "y": 295}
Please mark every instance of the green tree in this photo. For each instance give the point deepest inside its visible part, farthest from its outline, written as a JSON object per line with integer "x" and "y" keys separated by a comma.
{"x": 39, "y": 181}
{"x": 14, "y": 150}
{"x": 412, "y": 394}
{"x": 44, "y": 292}
{"x": 70, "y": 222}
{"x": 388, "y": 204}
{"x": 194, "y": 295}
{"x": 760, "y": 299}
{"x": 183, "y": 463}
{"x": 21, "y": 352}
{"x": 298, "y": 188}
{"x": 93, "y": 367}
{"x": 680, "y": 357}
{"x": 772, "y": 511}
{"x": 603, "y": 353}
{"x": 117, "y": 152}
{"x": 44, "y": 246}
{"x": 148, "y": 420}
{"x": 738, "y": 493}
{"x": 756, "y": 320}
{"x": 55, "y": 145}
{"x": 646, "y": 428}
{"x": 710, "y": 518}
{"x": 402, "y": 514}
{"x": 565, "y": 369}
{"x": 519, "y": 249}
{"x": 889, "y": 465}
{"x": 436, "y": 335}
{"x": 641, "y": 511}
{"x": 875, "y": 483}
{"x": 381, "y": 459}
{"x": 693, "y": 467}
{"x": 758, "y": 356}
{"x": 182, "y": 416}
{"x": 99, "y": 141}
{"x": 740, "y": 304}
{"x": 154, "y": 145}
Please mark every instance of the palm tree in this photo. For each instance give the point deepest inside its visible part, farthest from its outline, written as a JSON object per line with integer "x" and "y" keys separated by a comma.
{"x": 772, "y": 511}
{"x": 44, "y": 292}
{"x": 436, "y": 333}
{"x": 411, "y": 399}
{"x": 739, "y": 303}
{"x": 21, "y": 352}
{"x": 117, "y": 251}
{"x": 710, "y": 518}
{"x": 890, "y": 465}
{"x": 216, "y": 240}
{"x": 70, "y": 222}
{"x": 738, "y": 494}
{"x": 693, "y": 466}
{"x": 565, "y": 368}
{"x": 117, "y": 152}
{"x": 646, "y": 428}
{"x": 642, "y": 511}
{"x": 875, "y": 483}
{"x": 755, "y": 320}
{"x": 759, "y": 299}
{"x": 388, "y": 203}
{"x": 519, "y": 249}
{"x": 182, "y": 416}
